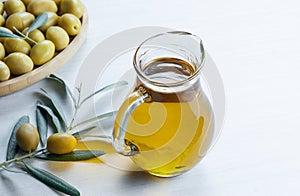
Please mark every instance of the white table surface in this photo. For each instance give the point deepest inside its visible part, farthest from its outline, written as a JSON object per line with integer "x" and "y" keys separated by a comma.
{"x": 256, "y": 45}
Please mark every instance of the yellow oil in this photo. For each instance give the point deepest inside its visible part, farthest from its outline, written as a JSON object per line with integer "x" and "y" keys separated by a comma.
{"x": 173, "y": 134}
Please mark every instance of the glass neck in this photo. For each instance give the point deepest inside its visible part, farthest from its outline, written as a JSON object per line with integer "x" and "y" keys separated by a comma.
{"x": 182, "y": 93}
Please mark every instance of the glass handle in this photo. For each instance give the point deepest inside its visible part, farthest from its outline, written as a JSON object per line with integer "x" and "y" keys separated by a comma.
{"x": 119, "y": 143}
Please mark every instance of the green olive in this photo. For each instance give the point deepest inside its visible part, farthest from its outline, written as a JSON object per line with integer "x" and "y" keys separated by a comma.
{"x": 14, "y": 6}
{"x": 4, "y": 72}
{"x": 19, "y": 63}
{"x": 72, "y": 6}
{"x": 61, "y": 143}
{"x": 36, "y": 35}
{"x": 26, "y": 2}
{"x": 27, "y": 137}
{"x": 2, "y": 20}
{"x": 42, "y": 52}
{"x": 58, "y": 36}
{"x": 19, "y": 20}
{"x": 70, "y": 23}
{"x": 52, "y": 21}
{"x": 16, "y": 45}
{"x": 36, "y": 7}
{"x": 2, "y": 39}
{"x": 2, "y": 51}
{"x": 1, "y": 7}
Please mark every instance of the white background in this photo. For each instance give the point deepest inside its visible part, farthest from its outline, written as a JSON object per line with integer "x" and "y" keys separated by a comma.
{"x": 256, "y": 45}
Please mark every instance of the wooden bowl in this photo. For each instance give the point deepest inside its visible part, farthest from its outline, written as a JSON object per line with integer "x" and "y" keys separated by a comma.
{"x": 39, "y": 73}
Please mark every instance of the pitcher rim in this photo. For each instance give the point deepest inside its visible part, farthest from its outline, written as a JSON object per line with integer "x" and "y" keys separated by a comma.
{"x": 172, "y": 84}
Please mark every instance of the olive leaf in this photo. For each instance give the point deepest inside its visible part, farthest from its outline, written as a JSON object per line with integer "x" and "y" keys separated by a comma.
{"x": 42, "y": 124}
{"x": 78, "y": 134}
{"x": 51, "y": 114}
{"x": 65, "y": 86}
{"x": 106, "y": 88}
{"x": 57, "y": 109}
{"x": 100, "y": 117}
{"x": 7, "y": 34}
{"x": 12, "y": 147}
{"x": 51, "y": 180}
{"x": 77, "y": 155}
{"x": 39, "y": 21}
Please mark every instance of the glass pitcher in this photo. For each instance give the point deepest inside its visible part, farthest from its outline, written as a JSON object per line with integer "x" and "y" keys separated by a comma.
{"x": 166, "y": 125}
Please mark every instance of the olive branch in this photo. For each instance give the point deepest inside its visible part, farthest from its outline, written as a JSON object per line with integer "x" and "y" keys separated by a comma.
{"x": 53, "y": 112}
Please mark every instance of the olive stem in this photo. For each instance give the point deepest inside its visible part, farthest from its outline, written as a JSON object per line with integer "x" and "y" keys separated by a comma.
{"x": 6, "y": 163}
{"x": 13, "y": 171}
{"x": 73, "y": 119}
{"x": 95, "y": 136}
{"x": 77, "y": 106}
{"x": 24, "y": 36}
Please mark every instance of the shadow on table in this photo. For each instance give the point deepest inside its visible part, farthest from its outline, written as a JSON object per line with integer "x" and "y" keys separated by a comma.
{"x": 140, "y": 177}
{"x": 9, "y": 185}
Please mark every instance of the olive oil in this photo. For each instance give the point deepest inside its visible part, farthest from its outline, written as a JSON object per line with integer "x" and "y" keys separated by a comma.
{"x": 174, "y": 130}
